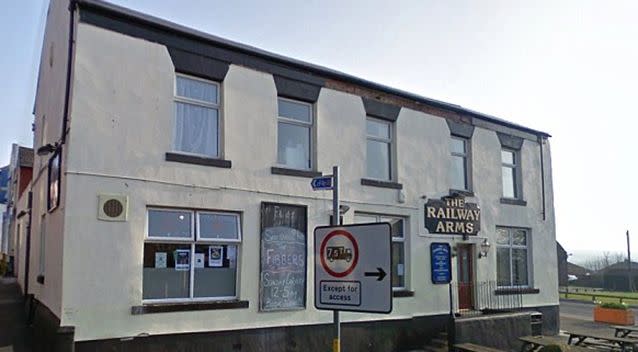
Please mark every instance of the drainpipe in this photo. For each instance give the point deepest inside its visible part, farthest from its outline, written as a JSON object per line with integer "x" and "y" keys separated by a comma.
{"x": 540, "y": 143}
{"x": 69, "y": 70}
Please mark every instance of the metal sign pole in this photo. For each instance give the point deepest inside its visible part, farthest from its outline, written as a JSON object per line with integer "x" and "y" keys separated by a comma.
{"x": 336, "y": 343}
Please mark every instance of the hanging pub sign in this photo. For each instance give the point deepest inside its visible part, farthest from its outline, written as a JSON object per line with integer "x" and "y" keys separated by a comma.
{"x": 452, "y": 216}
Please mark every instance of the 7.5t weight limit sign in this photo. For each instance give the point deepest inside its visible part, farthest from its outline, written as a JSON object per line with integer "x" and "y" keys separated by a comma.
{"x": 352, "y": 263}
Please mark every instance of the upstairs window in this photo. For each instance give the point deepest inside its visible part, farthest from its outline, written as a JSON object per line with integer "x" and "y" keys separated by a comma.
{"x": 378, "y": 149}
{"x": 510, "y": 167}
{"x": 196, "y": 116}
{"x": 459, "y": 168}
{"x": 294, "y": 134}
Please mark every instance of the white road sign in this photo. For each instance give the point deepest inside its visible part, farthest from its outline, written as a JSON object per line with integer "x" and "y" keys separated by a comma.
{"x": 353, "y": 268}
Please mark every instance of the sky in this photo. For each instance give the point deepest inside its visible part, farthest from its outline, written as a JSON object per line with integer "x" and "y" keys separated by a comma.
{"x": 568, "y": 68}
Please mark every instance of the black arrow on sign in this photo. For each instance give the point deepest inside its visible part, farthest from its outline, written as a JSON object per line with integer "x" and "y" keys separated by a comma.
{"x": 380, "y": 274}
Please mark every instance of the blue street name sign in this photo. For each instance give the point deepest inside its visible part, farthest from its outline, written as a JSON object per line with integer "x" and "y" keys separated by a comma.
{"x": 441, "y": 263}
{"x": 321, "y": 183}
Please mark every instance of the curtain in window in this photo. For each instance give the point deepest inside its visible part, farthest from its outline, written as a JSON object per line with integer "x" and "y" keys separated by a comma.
{"x": 196, "y": 129}
{"x": 294, "y": 145}
{"x": 197, "y": 90}
{"x": 378, "y": 160}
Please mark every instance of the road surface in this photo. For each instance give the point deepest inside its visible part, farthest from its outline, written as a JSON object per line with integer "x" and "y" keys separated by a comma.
{"x": 579, "y": 316}
{"x": 576, "y": 310}
{"x": 579, "y": 310}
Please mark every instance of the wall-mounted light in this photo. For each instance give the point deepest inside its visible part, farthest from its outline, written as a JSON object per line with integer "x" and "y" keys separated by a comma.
{"x": 47, "y": 149}
{"x": 485, "y": 248}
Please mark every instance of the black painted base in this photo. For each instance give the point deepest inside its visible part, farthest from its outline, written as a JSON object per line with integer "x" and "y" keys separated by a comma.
{"x": 393, "y": 335}
{"x": 47, "y": 334}
{"x": 370, "y": 336}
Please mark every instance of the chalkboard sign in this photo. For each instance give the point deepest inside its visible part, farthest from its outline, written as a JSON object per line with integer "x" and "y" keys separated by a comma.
{"x": 282, "y": 281}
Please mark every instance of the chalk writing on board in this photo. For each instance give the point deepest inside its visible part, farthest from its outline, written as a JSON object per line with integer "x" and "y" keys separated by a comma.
{"x": 283, "y": 269}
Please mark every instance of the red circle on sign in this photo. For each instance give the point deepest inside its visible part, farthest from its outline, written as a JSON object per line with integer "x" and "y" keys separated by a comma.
{"x": 349, "y": 236}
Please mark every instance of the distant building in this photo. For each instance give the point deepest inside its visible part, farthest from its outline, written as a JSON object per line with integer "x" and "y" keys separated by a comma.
{"x": 20, "y": 171}
{"x": 4, "y": 182}
{"x": 577, "y": 270}
{"x": 583, "y": 276}
{"x": 561, "y": 256}
{"x": 615, "y": 277}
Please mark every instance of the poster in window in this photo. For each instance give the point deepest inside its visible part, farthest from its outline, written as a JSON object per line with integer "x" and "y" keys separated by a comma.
{"x": 215, "y": 256}
{"x": 182, "y": 259}
{"x": 160, "y": 260}
{"x": 199, "y": 260}
{"x": 53, "y": 191}
{"x": 282, "y": 281}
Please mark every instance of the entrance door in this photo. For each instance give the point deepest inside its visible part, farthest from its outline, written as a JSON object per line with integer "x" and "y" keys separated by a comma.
{"x": 465, "y": 276}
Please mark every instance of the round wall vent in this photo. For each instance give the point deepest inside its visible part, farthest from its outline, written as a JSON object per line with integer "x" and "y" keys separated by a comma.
{"x": 113, "y": 208}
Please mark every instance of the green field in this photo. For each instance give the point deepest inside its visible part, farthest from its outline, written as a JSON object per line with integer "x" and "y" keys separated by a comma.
{"x": 591, "y": 294}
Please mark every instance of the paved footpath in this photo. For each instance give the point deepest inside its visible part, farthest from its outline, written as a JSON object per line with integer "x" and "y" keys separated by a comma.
{"x": 13, "y": 327}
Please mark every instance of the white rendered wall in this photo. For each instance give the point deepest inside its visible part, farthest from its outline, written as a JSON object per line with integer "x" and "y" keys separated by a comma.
{"x": 48, "y": 117}
{"x": 122, "y": 123}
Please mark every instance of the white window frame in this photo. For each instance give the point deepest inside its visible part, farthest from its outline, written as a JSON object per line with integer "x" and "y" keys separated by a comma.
{"x": 200, "y": 103}
{"x": 511, "y": 246}
{"x": 193, "y": 241}
{"x": 515, "y": 172}
{"x": 309, "y": 125}
{"x": 465, "y": 156}
{"x": 384, "y": 218}
{"x": 390, "y": 143}
{"x": 217, "y": 240}
{"x": 157, "y": 239}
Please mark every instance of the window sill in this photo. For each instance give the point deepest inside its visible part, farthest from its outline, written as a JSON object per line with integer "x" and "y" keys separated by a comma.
{"x": 40, "y": 279}
{"x": 513, "y": 201}
{"x": 198, "y": 160}
{"x": 294, "y": 172}
{"x": 382, "y": 184}
{"x": 185, "y": 307}
{"x": 516, "y": 291}
{"x": 402, "y": 293}
{"x": 461, "y": 192}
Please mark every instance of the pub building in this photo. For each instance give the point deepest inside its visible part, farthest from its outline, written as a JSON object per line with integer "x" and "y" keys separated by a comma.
{"x": 172, "y": 209}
